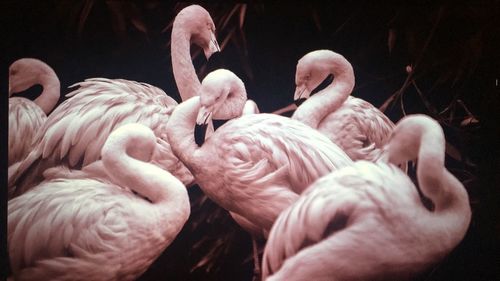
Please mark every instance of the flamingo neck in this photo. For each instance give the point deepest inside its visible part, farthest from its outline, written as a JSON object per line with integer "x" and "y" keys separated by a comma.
{"x": 185, "y": 75}
{"x": 328, "y": 100}
{"x": 431, "y": 172}
{"x": 180, "y": 131}
{"x": 51, "y": 90}
{"x": 452, "y": 214}
{"x": 148, "y": 180}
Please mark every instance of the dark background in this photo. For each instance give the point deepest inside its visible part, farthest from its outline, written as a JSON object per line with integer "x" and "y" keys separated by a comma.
{"x": 452, "y": 48}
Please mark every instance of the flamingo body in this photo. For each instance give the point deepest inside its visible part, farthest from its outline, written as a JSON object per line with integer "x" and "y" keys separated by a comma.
{"x": 89, "y": 225}
{"x": 355, "y": 125}
{"x": 367, "y": 221}
{"x": 358, "y": 128}
{"x": 254, "y": 165}
{"x": 79, "y": 127}
{"x": 257, "y": 170}
{"x": 26, "y": 116}
{"x": 25, "y": 119}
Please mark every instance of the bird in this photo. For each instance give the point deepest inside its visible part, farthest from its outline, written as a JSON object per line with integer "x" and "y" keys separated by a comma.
{"x": 26, "y": 116}
{"x": 255, "y": 165}
{"x": 367, "y": 221}
{"x": 99, "y": 223}
{"x": 75, "y": 132}
{"x": 354, "y": 124}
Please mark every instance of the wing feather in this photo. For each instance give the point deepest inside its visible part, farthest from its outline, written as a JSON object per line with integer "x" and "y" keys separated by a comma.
{"x": 76, "y": 130}
{"x": 25, "y": 119}
{"x": 60, "y": 214}
{"x": 262, "y": 143}
{"x": 359, "y": 128}
{"x": 318, "y": 213}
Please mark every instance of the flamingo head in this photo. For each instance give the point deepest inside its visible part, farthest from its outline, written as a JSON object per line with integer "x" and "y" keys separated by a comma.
{"x": 24, "y": 73}
{"x": 405, "y": 141}
{"x": 222, "y": 96}
{"x": 311, "y": 71}
{"x": 201, "y": 27}
{"x": 316, "y": 67}
{"x": 126, "y": 137}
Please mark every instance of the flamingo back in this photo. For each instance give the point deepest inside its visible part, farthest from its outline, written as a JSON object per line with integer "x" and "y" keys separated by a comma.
{"x": 263, "y": 148}
{"x": 75, "y": 132}
{"x": 359, "y": 128}
{"x": 368, "y": 212}
{"x": 25, "y": 119}
{"x": 259, "y": 163}
{"x": 73, "y": 231}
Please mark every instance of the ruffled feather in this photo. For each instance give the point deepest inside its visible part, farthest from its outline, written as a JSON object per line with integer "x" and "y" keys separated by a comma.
{"x": 75, "y": 132}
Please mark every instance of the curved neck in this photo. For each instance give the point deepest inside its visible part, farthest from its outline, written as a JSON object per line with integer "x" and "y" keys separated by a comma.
{"x": 234, "y": 104}
{"x": 435, "y": 181}
{"x": 451, "y": 215}
{"x": 148, "y": 180}
{"x": 331, "y": 98}
{"x": 185, "y": 75}
{"x": 50, "y": 94}
{"x": 180, "y": 131}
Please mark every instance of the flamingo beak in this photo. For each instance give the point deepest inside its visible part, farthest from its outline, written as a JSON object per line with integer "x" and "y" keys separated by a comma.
{"x": 301, "y": 94}
{"x": 213, "y": 46}
{"x": 204, "y": 116}
{"x": 202, "y": 120}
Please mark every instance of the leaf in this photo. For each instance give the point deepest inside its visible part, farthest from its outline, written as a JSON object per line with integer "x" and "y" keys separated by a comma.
{"x": 137, "y": 23}
{"x": 469, "y": 121}
{"x": 228, "y": 36}
{"x": 453, "y": 152}
{"x": 243, "y": 12}
{"x": 388, "y": 101}
{"x": 228, "y": 16}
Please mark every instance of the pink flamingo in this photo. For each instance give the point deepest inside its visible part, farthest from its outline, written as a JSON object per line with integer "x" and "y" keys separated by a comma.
{"x": 367, "y": 221}
{"x": 355, "y": 125}
{"x": 253, "y": 166}
{"x": 109, "y": 221}
{"x": 26, "y": 116}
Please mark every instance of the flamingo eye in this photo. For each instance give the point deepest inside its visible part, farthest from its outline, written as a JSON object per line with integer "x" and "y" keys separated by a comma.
{"x": 13, "y": 71}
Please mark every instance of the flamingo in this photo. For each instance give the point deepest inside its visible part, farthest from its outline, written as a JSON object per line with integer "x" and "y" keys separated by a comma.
{"x": 88, "y": 225}
{"x": 367, "y": 221}
{"x": 75, "y": 132}
{"x": 26, "y": 116}
{"x": 253, "y": 166}
{"x": 355, "y": 125}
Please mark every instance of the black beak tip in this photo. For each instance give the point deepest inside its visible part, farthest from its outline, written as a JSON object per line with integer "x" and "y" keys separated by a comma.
{"x": 200, "y": 132}
{"x": 299, "y": 101}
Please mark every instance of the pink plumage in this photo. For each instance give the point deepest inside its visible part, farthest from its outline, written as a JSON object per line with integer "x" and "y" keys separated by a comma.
{"x": 367, "y": 221}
